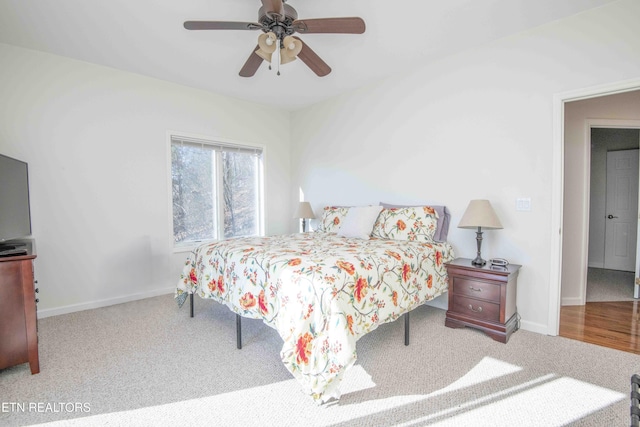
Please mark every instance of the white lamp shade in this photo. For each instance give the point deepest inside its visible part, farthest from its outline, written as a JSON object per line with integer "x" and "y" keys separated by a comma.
{"x": 304, "y": 211}
{"x": 480, "y": 213}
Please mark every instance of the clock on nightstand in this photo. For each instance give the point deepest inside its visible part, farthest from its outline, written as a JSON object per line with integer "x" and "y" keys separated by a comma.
{"x": 483, "y": 298}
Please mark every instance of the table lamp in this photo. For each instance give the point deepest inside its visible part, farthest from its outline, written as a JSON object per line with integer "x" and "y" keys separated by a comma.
{"x": 479, "y": 214}
{"x": 304, "y": 212}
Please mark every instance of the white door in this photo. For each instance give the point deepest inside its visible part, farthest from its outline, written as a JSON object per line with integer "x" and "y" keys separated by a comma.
{"x": 621, "y": 224}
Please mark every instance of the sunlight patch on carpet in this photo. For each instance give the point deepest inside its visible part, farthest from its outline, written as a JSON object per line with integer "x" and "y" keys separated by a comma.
{"x": 253, "y": 405}
{"x": 544, "y": 401}
{"x": 487, "y": 369}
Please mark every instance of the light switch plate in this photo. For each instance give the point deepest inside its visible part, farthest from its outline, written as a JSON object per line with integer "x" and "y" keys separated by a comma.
{"x": 523, "y": 204}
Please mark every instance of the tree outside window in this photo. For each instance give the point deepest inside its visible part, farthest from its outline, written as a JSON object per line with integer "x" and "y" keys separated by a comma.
{"x": 216, "y": 190}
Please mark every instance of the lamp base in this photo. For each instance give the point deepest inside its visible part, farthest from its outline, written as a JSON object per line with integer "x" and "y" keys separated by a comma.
{"x": 478, "y": 262}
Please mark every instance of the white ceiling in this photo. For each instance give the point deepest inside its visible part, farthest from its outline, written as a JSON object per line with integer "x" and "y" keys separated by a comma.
{"x": 147, "y": 37}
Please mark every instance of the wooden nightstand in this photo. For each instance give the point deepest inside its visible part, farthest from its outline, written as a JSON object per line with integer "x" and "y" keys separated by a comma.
{"x": 483, "y": 298}
{"x": 18, "y": 319}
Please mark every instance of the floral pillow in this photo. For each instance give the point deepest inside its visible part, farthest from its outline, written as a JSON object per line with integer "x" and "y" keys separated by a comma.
{"x": 412, "y": 223}
{"x": 332, "y": 218}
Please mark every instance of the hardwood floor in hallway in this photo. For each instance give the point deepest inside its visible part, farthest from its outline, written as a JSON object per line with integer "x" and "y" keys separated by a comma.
{"x": 609, "y": 324}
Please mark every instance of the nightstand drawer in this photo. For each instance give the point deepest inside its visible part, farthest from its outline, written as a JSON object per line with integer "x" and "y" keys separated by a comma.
{"x": 476, "y": 289}
{"x": 478, "y": 309}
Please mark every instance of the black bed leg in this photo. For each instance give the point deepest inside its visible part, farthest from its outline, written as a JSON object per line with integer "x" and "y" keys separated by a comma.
{"x": 191, "y": 304}
{"x": 238, "y": 332}
{"x": 406, "y": 328}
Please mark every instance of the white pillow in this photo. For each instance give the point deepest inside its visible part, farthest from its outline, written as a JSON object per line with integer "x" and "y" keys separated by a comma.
{"x": 359, "y": 222}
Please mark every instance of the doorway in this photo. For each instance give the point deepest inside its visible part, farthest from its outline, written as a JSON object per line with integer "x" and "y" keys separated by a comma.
{"x": 613, "y": 210}
{"x": 613, "y": 204}
{"x": 618, "y": 103}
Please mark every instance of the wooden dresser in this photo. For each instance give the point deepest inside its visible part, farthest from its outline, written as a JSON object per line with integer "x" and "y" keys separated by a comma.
{"x": 483, "y": 298}
{"x": 18, "y": 327}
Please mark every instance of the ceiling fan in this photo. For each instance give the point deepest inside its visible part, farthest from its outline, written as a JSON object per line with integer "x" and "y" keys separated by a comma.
{"x": 279, "y": 22}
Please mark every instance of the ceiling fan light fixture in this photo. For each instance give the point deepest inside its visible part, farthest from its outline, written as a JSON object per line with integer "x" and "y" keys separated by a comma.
{"x": 285, "y": 58}
{"x": 267, "y": 42}
{"x": 264, "y": 55}
{"x": 292, "y": 47}
{"x": 267, "y": 45}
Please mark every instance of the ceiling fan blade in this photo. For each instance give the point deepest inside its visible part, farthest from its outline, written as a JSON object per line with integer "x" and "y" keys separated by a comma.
{"x": 330, "y": 25}
{"x": 313, "y": 61}
{"x": 221, "y": 25}
{"x": 273, "y": 7}
{"x": 251, "y": 66}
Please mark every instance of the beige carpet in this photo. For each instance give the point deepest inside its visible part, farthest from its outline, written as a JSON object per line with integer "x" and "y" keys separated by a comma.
{"x": 609, "y": 285}
{"x": 148, "y": 363}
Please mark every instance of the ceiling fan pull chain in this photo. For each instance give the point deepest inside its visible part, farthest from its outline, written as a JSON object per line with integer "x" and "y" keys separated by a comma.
{"x": 278, "y": 53}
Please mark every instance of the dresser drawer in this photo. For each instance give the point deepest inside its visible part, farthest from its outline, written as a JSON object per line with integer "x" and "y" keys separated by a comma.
{"x": 478, "y": 309}
{"x": 476, "y": 289}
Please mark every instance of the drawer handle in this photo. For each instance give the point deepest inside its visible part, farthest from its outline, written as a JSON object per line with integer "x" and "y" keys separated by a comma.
{"x": 475, "y": 289}
{"x": 478, "y": 310}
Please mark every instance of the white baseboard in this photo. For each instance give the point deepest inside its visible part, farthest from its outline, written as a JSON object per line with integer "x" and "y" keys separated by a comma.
{"x": 534, "y": 327}
{"x": 571, "y": 301}
{"x": 102, "y": 303}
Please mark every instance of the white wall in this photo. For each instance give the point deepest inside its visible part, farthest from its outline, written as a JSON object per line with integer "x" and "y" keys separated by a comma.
{"x": 475, "y": 125}
{"x": 575, "y": 251}
{"x": 96, "y": 142}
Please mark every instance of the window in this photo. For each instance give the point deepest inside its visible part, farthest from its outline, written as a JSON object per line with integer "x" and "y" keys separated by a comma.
{"x": 217, "y": 190}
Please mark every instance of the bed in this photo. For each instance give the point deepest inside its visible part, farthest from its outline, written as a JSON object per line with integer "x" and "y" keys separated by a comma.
{"x": 322, "y": 291}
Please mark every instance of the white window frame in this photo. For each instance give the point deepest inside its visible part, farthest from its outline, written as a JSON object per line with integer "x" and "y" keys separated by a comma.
{"x": 225, "y": 144}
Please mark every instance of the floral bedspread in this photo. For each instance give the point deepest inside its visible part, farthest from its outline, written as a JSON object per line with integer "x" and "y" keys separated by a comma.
{"x": 320, "y": 292}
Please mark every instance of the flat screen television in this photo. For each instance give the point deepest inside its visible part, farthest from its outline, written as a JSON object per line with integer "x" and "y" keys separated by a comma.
{"x": 15, "y": 215}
